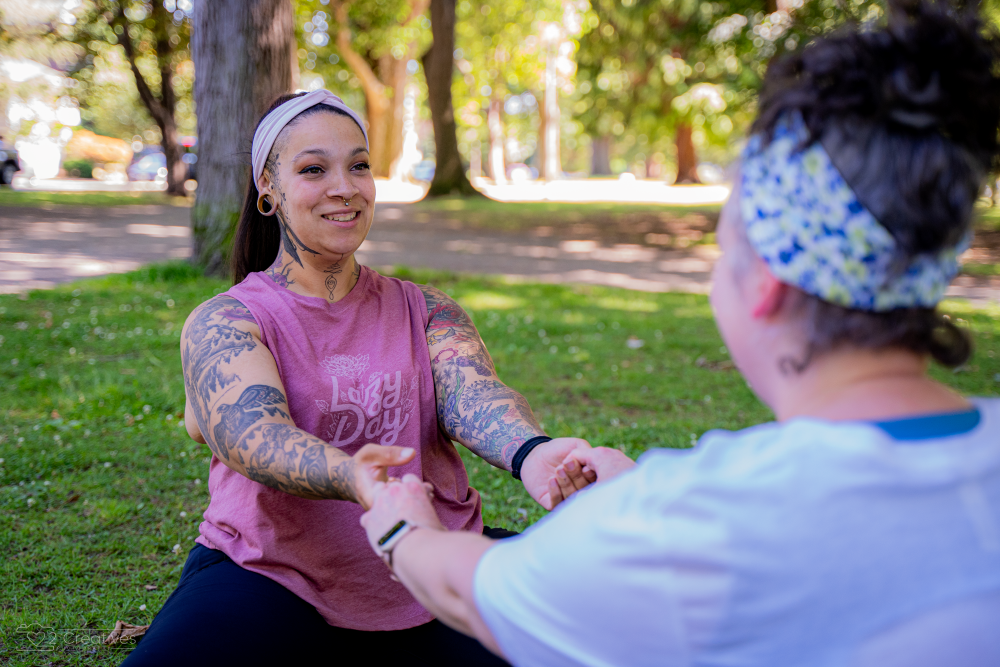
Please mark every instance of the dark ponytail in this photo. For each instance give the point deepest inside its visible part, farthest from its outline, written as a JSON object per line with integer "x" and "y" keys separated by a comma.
{"x": 257, "y": 238}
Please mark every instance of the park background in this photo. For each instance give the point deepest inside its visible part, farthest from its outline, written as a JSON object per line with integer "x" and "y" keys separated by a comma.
{"x": 533, "y": 158}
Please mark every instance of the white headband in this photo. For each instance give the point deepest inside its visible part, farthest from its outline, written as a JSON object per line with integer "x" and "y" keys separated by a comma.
{"x": 282, "y": 115}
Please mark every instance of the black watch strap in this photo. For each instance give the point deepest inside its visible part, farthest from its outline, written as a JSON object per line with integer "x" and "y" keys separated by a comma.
{"x": 522, "y": 453}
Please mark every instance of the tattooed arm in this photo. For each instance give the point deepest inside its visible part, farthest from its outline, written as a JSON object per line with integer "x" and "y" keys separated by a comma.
{"x": 478, "y": 410}
{"x": 237, "y": 403}
{"x": 474, "y": 407}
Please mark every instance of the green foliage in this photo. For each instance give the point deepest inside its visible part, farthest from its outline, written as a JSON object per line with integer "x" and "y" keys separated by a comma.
{"x": 645, "y": 67}
{"x": 106, "y": 86}
{"x": 499, "y": 54}
{"x": 101, "y": 490}
{"x": 79, "y": 168}
{"x": 375, "y": 32}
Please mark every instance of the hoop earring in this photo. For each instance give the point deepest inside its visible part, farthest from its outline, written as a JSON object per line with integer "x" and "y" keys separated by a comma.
{"x": 270, "y": 205}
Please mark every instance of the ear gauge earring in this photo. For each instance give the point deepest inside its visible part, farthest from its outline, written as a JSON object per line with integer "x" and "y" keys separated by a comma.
{"x": 264, "y": 197}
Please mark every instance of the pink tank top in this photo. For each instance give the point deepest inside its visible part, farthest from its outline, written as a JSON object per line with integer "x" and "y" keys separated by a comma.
{"x": 354, "y": 372}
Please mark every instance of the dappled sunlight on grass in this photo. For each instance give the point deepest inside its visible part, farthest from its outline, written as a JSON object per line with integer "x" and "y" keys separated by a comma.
{"x": 489, "y": 301}
{"x": 633, "y": 304}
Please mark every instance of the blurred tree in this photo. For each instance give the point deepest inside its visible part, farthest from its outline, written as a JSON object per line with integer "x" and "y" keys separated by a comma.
{"x": 37, "y": 31}
{"x": 498, "y": 57}
{"x": 685, "y": 72}
{"x": 640, "y": 70}
{"x": 244, "y": 56}
{"x": 29, "y": 31}
{"x": 378, "y": 40}
{"x": 439, "y": 69}
{"x": 502, "y": 58}
{"x": 154, "y": 39}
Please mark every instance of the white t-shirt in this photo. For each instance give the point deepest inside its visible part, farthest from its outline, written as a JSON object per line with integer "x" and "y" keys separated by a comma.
{"x": 802, "y": 543}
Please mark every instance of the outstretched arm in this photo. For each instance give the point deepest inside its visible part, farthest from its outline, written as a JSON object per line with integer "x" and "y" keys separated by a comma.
{"x": 474, "y": 407}
{"x": 478, "y": 410}
{"x": 236, "y": 397}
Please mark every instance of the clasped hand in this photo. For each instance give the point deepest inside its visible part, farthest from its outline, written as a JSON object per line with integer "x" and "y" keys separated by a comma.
{"x": 552, "y": 472}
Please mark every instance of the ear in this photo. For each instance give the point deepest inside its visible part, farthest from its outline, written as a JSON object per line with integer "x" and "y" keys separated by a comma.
{"x": 769, "y": 293}
{"x": 264, "y": 184}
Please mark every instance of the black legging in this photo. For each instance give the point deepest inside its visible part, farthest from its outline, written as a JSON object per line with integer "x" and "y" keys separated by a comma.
{"x": 221, "y": 614}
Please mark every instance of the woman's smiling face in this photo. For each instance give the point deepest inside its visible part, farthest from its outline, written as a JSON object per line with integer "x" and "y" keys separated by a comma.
{"x": 316, "y": 163}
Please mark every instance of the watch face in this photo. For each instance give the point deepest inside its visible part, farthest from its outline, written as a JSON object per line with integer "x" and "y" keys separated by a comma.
{"x": 392, "y": 532}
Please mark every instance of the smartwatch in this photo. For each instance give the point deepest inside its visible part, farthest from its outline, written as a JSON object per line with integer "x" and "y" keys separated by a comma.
{"x": 388, "y": 542}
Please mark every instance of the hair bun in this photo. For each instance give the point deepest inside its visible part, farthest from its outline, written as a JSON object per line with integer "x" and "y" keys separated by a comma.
{"x": 908, "y": 112}
{"x": 939, "y": 73}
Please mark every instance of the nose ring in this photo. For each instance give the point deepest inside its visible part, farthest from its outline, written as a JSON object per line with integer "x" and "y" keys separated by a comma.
{"x": 347, "y": 201}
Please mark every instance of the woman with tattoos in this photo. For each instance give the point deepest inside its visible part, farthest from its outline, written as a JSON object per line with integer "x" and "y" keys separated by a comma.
{"x": 311, "y": 380}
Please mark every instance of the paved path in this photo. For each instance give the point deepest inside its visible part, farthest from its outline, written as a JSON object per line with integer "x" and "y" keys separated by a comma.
{"x": 42, "y": 247}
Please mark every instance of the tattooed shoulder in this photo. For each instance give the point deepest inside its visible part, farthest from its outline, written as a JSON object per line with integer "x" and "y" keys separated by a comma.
{"x": 446, "y": 320}
{"x": 216, "y": 333}
{"x": 221, "y": 309}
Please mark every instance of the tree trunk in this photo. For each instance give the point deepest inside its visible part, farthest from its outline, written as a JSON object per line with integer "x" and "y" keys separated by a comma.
{"x": 385, "y": 113}
{"x": 551, "y": 164}
{"x": 384, "y": 92}
{"x": 600, "y": 156}
{"x": 494, "y": 121}
{"x": 242, "y": 51}
{"x": 176, "y": 169}
{"x": 439, "y": 65}
{"x": 163, "y": 107}
{"x": 687, "y": 158}
{"x": 397, "y": 82}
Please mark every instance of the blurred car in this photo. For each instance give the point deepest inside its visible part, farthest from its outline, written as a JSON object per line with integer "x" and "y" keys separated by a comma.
{"x": 190, "y": 159}
{"x": 9, "y": 164}
{"x": 151, "y": 164}
{"x": 423, "y": 170}
{"x": 148, "y": 167}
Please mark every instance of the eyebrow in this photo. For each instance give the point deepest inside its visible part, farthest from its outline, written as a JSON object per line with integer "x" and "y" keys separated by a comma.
{"x": 324, "y": 153}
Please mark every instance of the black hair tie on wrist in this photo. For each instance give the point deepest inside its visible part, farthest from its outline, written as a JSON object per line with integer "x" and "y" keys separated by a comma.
{"x": 522, "y": 453}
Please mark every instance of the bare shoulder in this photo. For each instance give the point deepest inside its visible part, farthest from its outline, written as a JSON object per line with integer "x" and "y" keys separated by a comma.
{"x": 446, "y": 320}
{"x": 216, "y": 332}
{"x": 441, "y": 307}
{"x": 434, "y": 296}
{"x": 222, "y": 311}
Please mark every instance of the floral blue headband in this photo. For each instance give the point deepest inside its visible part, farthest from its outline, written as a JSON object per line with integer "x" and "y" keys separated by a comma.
{"x": 806, "y": 223}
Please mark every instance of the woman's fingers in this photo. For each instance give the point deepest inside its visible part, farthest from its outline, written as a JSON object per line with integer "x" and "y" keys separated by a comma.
{"x": 604, "y": 462}
{"x": 555, "y": 495}
{"x": 566, "y": 486}
{"x": 574, "y": 471}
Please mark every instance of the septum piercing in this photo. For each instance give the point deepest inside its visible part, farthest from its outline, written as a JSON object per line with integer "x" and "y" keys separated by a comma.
{"x": 347, "y": 201}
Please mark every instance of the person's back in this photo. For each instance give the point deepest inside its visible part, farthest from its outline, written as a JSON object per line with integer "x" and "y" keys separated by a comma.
{"x": 804, "y": 543}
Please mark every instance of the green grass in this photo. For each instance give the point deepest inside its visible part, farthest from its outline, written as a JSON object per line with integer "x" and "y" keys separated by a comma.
{"x": 988, "y": 218}
{"x": 39, "y": 198}
{"x": 981, "y": 269}
{"x": 97, "y": 469}
{"x": 482, "y": 212}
